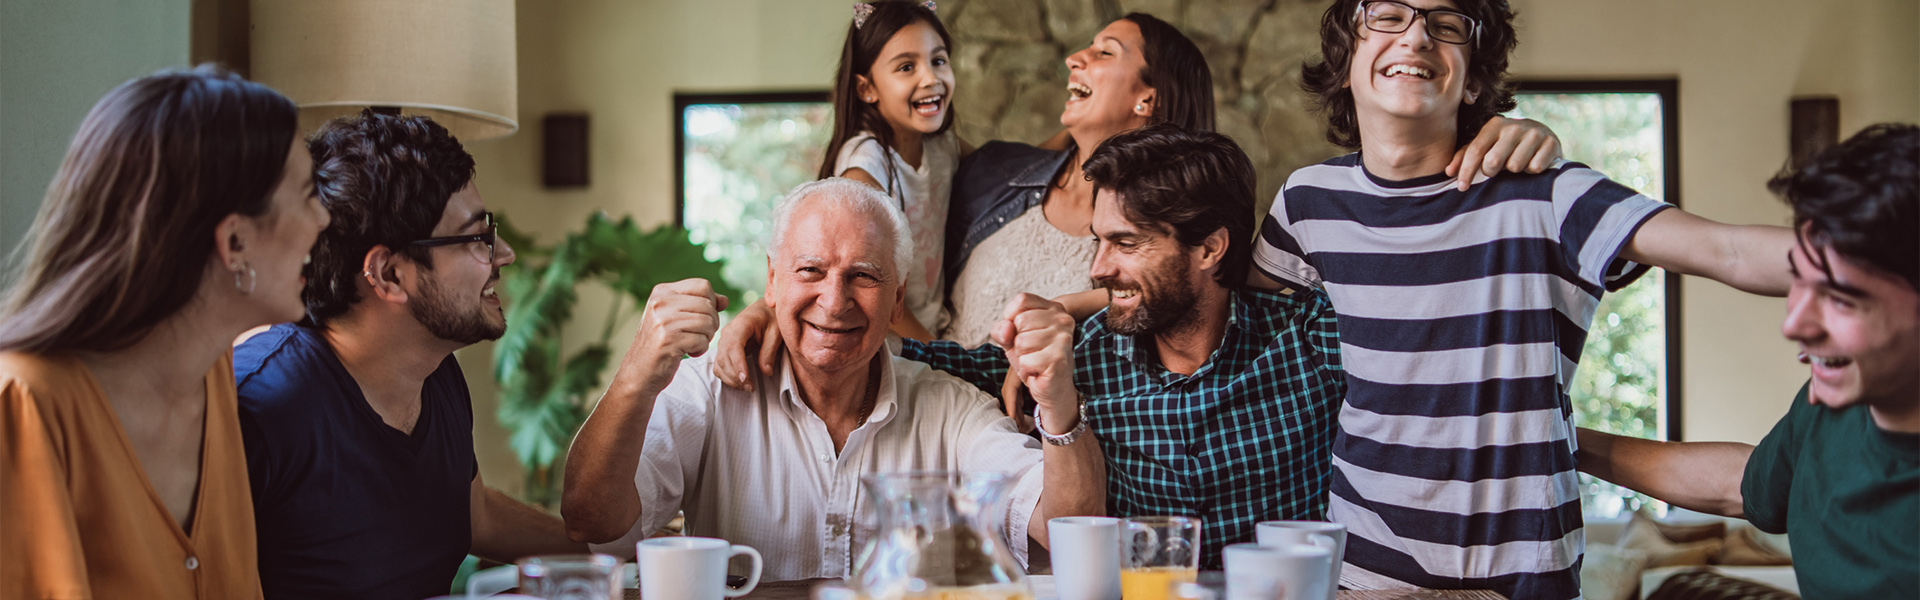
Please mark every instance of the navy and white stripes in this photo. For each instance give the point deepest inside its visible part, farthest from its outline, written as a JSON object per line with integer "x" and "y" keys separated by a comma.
{"x": 1462, "y": 316}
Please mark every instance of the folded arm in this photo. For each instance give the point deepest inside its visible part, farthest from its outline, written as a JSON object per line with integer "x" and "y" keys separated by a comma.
{"x": 1702, "y": 476}
{"x": 505, "y": 529}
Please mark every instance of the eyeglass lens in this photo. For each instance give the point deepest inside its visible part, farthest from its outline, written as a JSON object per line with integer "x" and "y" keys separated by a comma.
{"x": 1386, "y": 16}
{"x": 484, "y": 250}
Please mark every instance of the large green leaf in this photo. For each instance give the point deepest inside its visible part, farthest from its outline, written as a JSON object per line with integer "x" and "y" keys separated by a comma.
{"x": 544, "y": 398}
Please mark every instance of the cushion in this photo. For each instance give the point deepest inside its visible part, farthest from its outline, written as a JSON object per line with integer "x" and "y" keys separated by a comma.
{"x": 1611, "y": 573}
{"x": 1707, "y": 585}
{"x": 1745, "y": 548}
{"x": 1645, "y": 535}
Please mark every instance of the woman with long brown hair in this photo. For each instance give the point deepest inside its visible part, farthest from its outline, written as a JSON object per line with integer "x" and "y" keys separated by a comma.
{"x": 181, "y": 217}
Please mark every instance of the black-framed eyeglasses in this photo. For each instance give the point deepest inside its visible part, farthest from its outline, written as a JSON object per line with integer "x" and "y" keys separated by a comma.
{"x": 480, "y": 244}
{"x": 1388, "y": 16}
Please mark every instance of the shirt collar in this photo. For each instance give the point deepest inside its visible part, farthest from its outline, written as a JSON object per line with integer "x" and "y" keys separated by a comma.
{"x": 1041, "y": 174}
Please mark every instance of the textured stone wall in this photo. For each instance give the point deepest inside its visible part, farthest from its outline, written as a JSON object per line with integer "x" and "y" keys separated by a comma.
{"x": 1008, "y": 62}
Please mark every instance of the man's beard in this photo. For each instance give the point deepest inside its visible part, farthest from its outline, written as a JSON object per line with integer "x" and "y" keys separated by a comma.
{"x": 1166, "y": 302}
{"x": 439, "y": 311}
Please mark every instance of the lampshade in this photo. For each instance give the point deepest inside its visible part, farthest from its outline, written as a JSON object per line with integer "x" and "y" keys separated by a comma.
{"x": 452, "y": 60}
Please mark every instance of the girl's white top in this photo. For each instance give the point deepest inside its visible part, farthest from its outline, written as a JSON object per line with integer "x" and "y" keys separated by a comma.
{"x": 922, "y": 193}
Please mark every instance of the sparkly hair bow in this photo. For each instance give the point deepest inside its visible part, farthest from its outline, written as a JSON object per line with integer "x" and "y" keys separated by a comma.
{"x": 862, "y": 10}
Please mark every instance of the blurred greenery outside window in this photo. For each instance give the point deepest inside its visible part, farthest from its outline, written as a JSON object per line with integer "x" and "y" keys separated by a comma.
{"x": 739, "y": 154}
{"x": 1620, "y": 386}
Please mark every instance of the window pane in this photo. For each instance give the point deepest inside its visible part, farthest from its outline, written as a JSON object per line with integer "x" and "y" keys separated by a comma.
{"x": 739, "y": 160}
{"x": 1619, "y": 386}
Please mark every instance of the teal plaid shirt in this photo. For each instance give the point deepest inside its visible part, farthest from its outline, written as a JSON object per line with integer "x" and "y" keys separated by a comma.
{"x": 1246, "y": 438}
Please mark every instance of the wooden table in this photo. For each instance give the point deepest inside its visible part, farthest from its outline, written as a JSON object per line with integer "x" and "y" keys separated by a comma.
{"x": 799, "y": 590}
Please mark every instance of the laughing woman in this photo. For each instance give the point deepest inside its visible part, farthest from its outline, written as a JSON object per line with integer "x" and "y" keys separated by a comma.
{"x": 181, "y": 217}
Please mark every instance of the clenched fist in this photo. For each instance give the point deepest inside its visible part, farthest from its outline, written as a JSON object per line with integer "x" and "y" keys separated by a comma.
{"x": 680, "y": 319}
{"x": 1038, "y": 336}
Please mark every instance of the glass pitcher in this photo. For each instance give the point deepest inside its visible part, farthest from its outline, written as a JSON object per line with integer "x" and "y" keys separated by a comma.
{"x": 940, "y": 537}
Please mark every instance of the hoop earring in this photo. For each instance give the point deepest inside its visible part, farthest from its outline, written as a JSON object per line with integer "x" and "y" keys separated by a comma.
{"x": 243, "y": 272}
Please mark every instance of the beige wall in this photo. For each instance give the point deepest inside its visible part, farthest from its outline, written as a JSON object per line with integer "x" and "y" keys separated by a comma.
{"x": 1738, "y": 64}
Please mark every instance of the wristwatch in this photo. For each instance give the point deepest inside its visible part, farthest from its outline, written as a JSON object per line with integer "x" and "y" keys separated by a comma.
{"x": 1065, "y": 438}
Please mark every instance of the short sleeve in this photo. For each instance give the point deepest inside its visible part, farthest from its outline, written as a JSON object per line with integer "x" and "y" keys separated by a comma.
{"x": 1597, "y": 218}
{"x": 994, "y": 444}
{"x": 865, "y": 153}
{"x": 1768, "y": 482}
{"x": 676, "y": 435}
{"x": 40, "y": 555}
{"x": 1278, "y": 253}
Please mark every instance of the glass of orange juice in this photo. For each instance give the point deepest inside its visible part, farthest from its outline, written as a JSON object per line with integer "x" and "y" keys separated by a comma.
{"x": 1158, "y": 552}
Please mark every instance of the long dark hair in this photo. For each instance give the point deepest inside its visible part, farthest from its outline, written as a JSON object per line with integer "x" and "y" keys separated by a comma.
{"x": 124, "y": 234}
{"x": 1178, "y": 73}
{"x": 864, "y": 43}
{"x": 1326, "y": 81}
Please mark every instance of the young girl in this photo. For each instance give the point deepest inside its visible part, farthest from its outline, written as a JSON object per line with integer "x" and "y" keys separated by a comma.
{"x": 892, "y": 112}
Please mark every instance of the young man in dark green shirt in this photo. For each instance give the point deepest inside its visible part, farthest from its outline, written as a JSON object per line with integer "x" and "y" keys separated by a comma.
{"x": 1840, "y": 474}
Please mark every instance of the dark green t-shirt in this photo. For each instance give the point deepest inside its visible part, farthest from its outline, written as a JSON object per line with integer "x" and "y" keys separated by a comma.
{"x": 1847, "y": 494}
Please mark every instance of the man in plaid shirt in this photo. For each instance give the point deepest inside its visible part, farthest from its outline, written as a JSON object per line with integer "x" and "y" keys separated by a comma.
{"x": 1210, "y": 399}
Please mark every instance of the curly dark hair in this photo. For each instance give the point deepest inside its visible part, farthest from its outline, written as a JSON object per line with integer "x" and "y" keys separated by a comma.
{"x": 1191, "y": 182}
{"x": 1326, "y": 81}
{"x": 386, "y": 180}
{"x": 1177, "y": 72}
{"x": 1862, "y": 199}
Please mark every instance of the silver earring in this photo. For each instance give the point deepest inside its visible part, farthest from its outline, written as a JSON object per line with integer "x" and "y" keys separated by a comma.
{"x": 243, "y": 278}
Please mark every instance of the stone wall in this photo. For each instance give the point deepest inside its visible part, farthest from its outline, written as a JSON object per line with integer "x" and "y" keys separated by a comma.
{"x": 1012, "y": 81}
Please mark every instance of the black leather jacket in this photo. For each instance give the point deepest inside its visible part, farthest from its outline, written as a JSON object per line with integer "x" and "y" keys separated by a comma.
{"x": 995, "y": 184}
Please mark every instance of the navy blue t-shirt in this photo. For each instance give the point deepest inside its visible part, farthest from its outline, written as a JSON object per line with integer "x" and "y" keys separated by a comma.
{"x": 345, "y": 505}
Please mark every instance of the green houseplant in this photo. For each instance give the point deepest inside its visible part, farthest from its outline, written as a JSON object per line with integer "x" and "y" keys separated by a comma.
{"x": 544, "y": 392}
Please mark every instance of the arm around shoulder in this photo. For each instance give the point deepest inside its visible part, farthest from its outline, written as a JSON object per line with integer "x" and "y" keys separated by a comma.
{"x": 1702, "y": 476}
{"x": 1751, "y": 258}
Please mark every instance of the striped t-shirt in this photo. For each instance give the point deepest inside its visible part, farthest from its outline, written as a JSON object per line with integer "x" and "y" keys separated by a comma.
{"x": 1462, "y": 316}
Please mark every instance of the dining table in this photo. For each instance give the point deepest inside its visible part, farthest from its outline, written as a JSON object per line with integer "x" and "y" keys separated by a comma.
{"x": 1043, "y": 590}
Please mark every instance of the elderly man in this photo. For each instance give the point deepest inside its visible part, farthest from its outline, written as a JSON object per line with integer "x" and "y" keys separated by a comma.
{"x": 779, "y": 468}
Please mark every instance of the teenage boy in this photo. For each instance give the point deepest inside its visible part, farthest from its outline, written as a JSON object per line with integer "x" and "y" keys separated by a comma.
{"x": 1462, "y": 313}
{"x": 1841, "y": 472}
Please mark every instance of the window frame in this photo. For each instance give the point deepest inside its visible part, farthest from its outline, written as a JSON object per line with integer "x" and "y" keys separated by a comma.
{"x": 682, "y": 100}
{"x": 1668, "y": 91}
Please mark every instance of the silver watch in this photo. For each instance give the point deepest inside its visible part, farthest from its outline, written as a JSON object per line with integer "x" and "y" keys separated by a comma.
{"x": 1065, "y": 438}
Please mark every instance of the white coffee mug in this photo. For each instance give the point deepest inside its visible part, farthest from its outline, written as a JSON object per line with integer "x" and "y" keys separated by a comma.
{"x": 1279, "y": 533}
{"x": 1086, "y": 557}
{"x": 691, "y": 568}
{"x": 1289, "y": 572}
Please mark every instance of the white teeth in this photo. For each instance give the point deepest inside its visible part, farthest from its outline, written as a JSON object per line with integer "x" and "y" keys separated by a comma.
{"x": 1079, "y": 90}
{"x": 1125, "y": 293}
{"x": 490, "y": 293}
{"x": 1823, "y": 361}
{"x": 1409, "y": 70}
{"x": 933, "y": 100}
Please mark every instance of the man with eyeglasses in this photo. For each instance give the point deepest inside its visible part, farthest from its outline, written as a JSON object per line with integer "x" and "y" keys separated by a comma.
{"x": 357, "y": 422}
{"x": 1463, "y": 306}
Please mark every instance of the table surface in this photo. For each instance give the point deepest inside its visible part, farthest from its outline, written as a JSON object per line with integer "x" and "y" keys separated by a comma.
{"x": 1043, "y": 589}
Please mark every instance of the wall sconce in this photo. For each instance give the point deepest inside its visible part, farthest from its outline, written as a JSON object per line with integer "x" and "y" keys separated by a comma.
{"x": 1815, "y": 126}
{"x": 451, "y": 60}
{"x": 563, "y": 150}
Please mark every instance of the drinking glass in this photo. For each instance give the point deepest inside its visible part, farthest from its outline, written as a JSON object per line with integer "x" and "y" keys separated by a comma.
{"x": 1158, "y": 552}
{"x": 570, "y": 577}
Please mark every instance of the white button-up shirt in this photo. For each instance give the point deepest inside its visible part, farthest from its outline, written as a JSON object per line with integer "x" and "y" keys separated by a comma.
{"x": 758, "y": 468}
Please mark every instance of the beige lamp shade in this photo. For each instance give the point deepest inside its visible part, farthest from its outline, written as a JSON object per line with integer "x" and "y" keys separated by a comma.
{"x": 452, "y": 60}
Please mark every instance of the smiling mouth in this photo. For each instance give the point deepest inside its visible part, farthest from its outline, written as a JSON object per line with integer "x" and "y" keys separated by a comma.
{"x": 929, "y": 105}
{"x": 1398, "y": 70}
{"x": 834, "y": 331}
{"x": 1078, "y": 91}
{"x": 1822, "y": 361}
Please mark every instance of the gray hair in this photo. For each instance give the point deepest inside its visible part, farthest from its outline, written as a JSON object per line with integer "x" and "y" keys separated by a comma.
{"x": 854, "y": 195}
